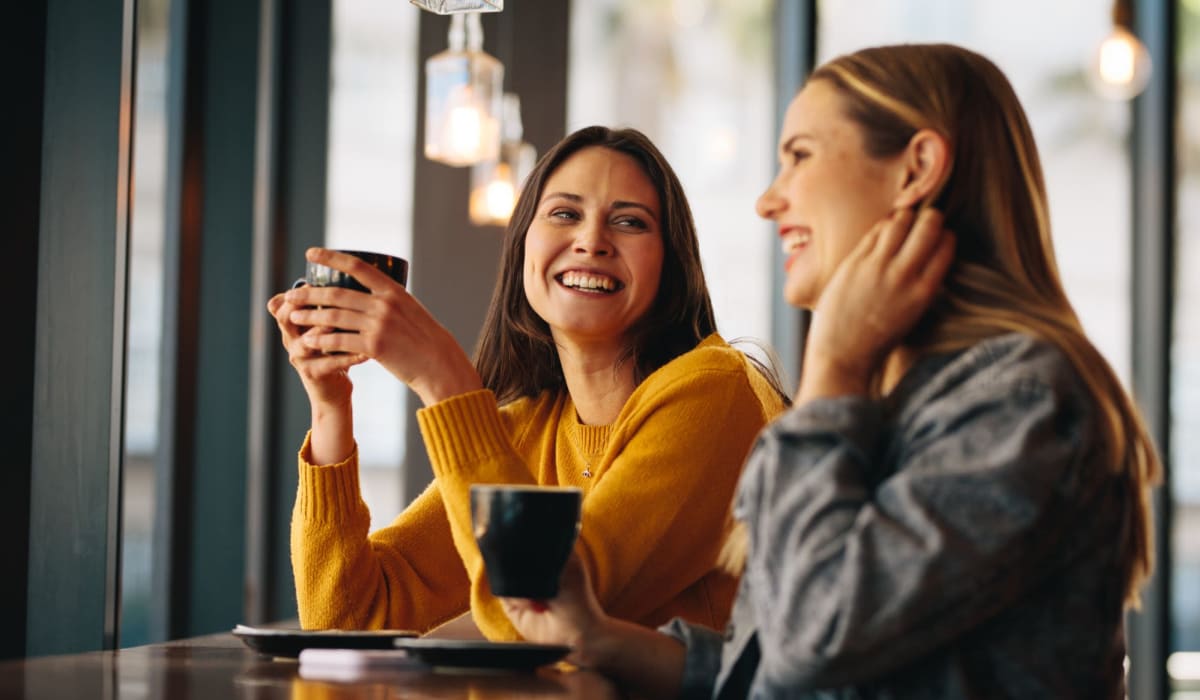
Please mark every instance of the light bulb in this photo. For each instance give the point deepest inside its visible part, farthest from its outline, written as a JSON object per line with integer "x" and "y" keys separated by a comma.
{"x": 462, "y": 98}
{"x": 493, "y": 194}
{"x": 462, "y": 137}
{"x": 1120, "y": 67}
{"x": 495, "y": 183}
{"x": 501, "y": 196}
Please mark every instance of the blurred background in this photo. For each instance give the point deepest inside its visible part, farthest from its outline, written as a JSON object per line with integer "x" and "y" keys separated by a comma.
{"x": 323, "y": 127}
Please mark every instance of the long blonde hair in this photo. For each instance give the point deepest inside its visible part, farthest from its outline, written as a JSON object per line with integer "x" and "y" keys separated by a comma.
{"x": 1005, "y": 277}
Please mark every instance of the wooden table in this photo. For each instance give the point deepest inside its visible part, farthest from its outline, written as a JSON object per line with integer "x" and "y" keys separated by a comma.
{"x": 220, "y": 666}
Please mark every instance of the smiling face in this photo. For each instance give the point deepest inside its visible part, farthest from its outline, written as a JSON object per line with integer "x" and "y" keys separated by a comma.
{"x": 828, "y": 193}
{"x": 594, "y": 249}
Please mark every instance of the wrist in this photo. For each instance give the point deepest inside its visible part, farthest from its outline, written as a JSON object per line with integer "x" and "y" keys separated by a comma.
{"x": 340, "y": 409}
{"x": 597, "y": 647}
{"x": 331, "y": 439}
{"x": 436, "y": 391}
{"x": 824, "y": 377}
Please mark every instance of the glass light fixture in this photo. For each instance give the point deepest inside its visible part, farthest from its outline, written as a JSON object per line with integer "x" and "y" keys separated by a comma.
{"x": 495, "y": 184}
{"x": 449, "y": 7}
{"x": 463, "y": 86}
{"x": 1120, "y": 67}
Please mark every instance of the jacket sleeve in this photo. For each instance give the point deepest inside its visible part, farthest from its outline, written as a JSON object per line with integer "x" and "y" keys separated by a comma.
{"x": 657, "y": 515}
{"x": 346, "y": 579}
{"x": 856, "y": 571}
{"x": 702, "y": 658}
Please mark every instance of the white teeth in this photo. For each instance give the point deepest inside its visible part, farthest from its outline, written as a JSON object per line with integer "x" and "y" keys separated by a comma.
{"x": 583, "y": 280}
{"x": 795, "y": 241}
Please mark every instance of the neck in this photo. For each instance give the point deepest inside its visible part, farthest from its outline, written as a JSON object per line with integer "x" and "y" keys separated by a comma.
{"x": 599, "y": 387}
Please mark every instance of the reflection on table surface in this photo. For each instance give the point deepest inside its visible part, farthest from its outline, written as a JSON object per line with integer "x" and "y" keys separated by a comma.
{"x": 220, "y": 666}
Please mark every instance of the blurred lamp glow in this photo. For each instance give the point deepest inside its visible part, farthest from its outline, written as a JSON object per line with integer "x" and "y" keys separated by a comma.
{"x": 495, "y": 184}
{"x": 1121, "y": 67}
{"x": 462, "y": 98}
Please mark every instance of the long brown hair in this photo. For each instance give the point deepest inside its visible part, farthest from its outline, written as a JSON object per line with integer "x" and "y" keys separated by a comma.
{"x": 516, "y": 355}
{"x": 1005, "y": 277}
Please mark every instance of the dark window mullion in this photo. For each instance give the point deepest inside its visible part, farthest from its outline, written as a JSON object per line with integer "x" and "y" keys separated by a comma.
{"x": 1153, "y": 282}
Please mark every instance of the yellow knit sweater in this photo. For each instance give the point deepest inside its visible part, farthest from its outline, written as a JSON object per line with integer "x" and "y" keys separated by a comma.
{"x": 655, "y": 508}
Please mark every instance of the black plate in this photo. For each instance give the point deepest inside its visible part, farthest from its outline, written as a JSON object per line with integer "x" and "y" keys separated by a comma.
{"x": 290, "y": 642}
{"x": 479, "y": 654}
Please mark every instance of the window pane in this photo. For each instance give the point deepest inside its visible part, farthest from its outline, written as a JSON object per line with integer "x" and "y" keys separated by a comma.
{"x": 696, "y": 77}
{"x": 1185, "y": 379}
{"x": 371, "y": 142}
{"x": 145, "y": 321}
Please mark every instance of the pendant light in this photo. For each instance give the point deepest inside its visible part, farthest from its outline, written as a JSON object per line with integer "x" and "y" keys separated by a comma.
{"x": 1120, "y": 67}
{"x": 463, "y": 86}
{"x": 495, "y": 184}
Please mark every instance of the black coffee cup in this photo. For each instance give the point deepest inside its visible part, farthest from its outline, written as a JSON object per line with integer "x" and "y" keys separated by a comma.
{"x": 318, "y": 275}
{"x": 525, "y": 534}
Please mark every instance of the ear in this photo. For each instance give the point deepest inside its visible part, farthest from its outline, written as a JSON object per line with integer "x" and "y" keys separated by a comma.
{"x": 924, "y": 163}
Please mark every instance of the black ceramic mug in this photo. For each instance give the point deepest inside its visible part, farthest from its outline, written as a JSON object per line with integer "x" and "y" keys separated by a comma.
{"x": 318, "y": 275}
{"x": 525, "y": 534}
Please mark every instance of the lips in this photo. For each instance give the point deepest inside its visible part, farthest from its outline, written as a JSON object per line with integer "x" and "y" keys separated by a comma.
{"x": 793, "y": 239}
{"x": 591, "y": 281}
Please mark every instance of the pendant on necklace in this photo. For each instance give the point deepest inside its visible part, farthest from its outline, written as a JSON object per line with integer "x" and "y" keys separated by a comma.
{"x": 587, "y": 473}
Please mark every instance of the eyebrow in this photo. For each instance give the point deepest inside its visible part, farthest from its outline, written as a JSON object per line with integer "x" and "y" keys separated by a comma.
{"x": 787, "y": 145}
{"x": 619, "y": 204}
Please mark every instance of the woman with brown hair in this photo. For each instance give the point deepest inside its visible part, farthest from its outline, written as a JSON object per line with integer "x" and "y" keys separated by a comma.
{"x": 599, "y": 367}
{"x": 957, "y": 505}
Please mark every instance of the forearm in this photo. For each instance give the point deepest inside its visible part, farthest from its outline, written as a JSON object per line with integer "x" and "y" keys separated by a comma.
{"x": 406, "y": 575}
{"x": 332, "y": 435}
{"x": 645, "y": 662}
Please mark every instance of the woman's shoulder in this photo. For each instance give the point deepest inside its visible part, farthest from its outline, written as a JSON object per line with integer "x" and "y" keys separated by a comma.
{"x": 714, "y": 368}
{"x": 1017, "y": 365}
{"x": 1018, "y": 357}
{"x": 711, "y": 353}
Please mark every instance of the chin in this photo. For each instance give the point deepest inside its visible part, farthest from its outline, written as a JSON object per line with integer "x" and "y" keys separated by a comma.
{"x": 801, "y": 298}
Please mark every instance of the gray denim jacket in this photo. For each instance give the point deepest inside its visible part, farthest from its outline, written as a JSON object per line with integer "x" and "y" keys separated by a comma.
{"x": 958, "y": 539}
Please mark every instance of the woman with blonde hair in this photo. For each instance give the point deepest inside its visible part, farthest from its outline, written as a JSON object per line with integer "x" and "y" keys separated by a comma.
{"x": 957, "y": 505}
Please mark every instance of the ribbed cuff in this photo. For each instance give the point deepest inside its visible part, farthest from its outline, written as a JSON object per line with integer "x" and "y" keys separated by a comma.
{"x": 462, "y": 430}
{"x": 327, "y": 492}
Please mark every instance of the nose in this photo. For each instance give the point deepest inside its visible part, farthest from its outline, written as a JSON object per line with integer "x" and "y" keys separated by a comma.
{"x": 592, "y": 239}
{"x": 770, "y": 204}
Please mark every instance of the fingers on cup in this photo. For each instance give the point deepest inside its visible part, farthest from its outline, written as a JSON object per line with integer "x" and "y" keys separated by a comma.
{"x": 325, "y": 340}
{"x": 366, "y": 274}
{"x": 282, "y": 312}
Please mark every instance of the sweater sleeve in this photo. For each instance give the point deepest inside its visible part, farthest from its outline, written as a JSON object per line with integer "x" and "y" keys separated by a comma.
{"x": 858, "y": 569}
{"x": 404, "y": 576}
{"x": 657, "y": 514}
